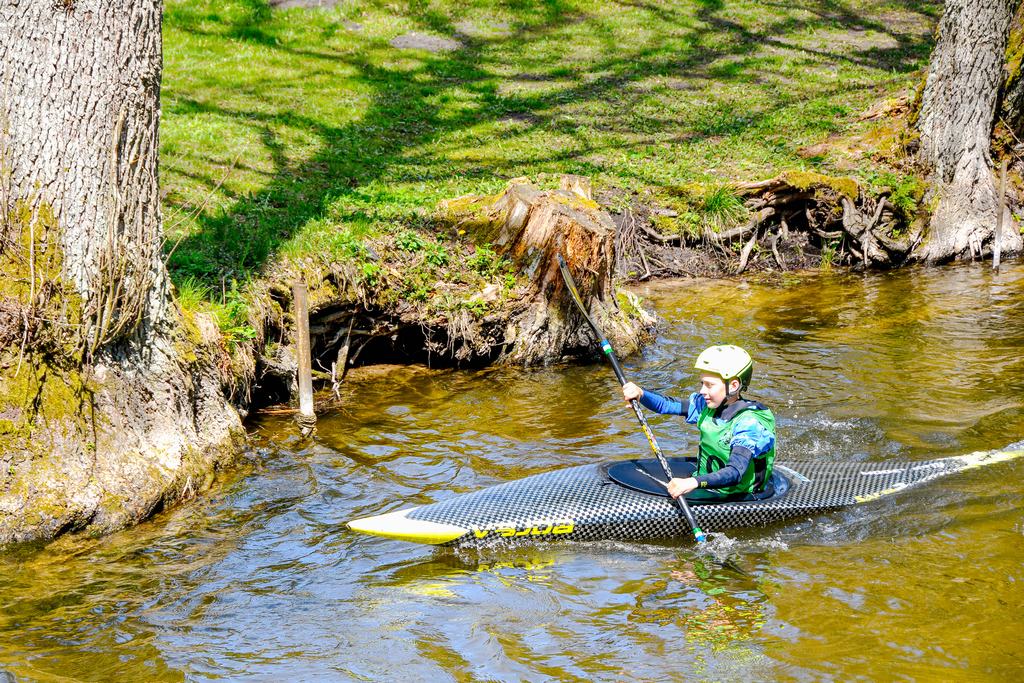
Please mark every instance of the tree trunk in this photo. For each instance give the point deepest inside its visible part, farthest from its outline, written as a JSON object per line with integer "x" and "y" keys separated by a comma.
{"x": 110, "y": 407}
{"x": 955, "y": 124}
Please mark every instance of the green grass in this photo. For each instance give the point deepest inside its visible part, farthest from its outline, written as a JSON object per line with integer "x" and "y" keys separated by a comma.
{"x": 297, "y": 133}
{"x": 191, "y": 293}
{"x": 722, "y": 208}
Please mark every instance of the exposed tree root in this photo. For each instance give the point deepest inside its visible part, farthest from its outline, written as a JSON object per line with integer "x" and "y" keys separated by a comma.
{"x": 796, "y": 220}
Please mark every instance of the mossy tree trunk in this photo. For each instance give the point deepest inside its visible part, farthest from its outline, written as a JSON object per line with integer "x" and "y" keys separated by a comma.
{"x": 110, "y": 405}
{"x": 1011, "y": 109}
{"x": 955, "y": 124}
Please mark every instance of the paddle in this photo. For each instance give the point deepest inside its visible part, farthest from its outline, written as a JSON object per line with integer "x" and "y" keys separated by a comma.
{"x": 607, "y": 348}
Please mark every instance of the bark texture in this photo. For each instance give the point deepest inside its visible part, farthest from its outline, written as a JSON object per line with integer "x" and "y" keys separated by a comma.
{"x": 124, "y": 411}
{"x": 955, "y": 125}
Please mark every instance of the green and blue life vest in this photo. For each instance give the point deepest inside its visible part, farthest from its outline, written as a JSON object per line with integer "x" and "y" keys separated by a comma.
{"x": 716, "y": 444}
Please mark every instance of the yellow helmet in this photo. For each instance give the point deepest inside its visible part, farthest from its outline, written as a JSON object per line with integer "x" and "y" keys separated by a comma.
{"x": 728, "y": 361}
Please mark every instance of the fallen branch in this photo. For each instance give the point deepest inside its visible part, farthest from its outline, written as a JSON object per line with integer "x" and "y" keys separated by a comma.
{"x": 657, "y": 236}
{"x": 761, "y": 186}
{"x": 882, "y": 203}
{"x": 741, "y": 231}
{"x": 341, "y": 360}
{"x": 647, "y": 268}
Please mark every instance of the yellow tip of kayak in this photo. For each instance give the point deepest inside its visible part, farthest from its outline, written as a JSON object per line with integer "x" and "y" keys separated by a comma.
{"x": 979, "y": 458}
{"x": 397, "y": 525}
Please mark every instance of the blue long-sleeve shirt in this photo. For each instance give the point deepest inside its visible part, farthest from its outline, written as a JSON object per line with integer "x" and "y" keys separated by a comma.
{"x": 750, "y": 438}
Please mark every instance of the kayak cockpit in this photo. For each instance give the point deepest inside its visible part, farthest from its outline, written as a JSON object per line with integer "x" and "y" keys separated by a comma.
{"x": 647, "y": 476}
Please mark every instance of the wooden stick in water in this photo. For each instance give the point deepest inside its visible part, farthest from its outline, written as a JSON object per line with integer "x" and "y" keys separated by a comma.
{"x": 306, "y": 417}
{"x": 998, "y": 237}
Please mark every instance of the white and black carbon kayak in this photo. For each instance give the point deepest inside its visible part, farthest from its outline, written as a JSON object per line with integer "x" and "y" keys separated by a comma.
{"x": 622, "y": 501}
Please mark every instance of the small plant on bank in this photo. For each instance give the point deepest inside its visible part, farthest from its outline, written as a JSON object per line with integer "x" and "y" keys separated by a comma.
{"x": 437, "y": 254}
{"x": 722, "y": 208}
{"x": 231, "y": 312}
{"x": 232, "y": 316}
{"x": 690, "y": 224}
{"x": 829, "y": 250}
{"x": 699, "y": 210}
{"x": 419, "y": 292}
{"x": 369, "y": 272}
{"x": 477, "y": 307}
{"x": 905, "y": 191}
{"x": 410, "y": 240}
{"x": 193, "y": 294}
{"x": 486, "y": 262}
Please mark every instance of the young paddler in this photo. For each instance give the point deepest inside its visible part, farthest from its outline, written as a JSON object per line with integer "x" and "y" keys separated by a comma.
{"x": 737, "y": 436}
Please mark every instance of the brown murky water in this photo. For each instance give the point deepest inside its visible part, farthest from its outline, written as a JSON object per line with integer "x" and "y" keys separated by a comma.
{"x": 261, "y": 581}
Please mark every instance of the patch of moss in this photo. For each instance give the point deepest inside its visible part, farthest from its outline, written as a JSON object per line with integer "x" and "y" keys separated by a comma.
{"x": 1014, "y": 54}
{"x": 915, "y": 104}
{"x": 45, "y": 511}
{"x": 34, "y": 286}
{"x": 190, "y": 338}
{"x": 806, "y": 180}
{"x": 666, "y": 225}
{"x": 111, "y": 505}
{"x": 39, "y": 393}
{"x": 41, "y": 380}
{"x": 574, "y": 201}
{"x": 690, "y": 192}
{"x": 470, "y": 215}
{"x": 629, "y": 304}
{"x": 889, "y": 140}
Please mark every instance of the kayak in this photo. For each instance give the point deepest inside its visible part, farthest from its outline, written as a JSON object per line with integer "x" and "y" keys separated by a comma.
{"x": 627, "y": 501}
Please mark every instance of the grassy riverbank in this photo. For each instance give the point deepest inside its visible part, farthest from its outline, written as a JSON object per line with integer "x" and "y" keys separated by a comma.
{"x": 296, "y": 133}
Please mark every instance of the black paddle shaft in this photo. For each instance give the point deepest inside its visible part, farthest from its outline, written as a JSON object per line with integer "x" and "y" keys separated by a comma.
{"x": 606, "y": 347}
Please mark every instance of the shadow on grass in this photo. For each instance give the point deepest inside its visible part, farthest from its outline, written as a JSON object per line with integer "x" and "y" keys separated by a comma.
{"x": 390, "y": 142}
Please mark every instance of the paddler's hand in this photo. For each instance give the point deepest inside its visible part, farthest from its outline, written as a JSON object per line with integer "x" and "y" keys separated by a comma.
{"x": 631, "y": 392}
{"x": 680, "y": 487}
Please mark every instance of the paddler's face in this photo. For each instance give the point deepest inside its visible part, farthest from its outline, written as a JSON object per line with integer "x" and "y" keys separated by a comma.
{"x": 713, "y": 389}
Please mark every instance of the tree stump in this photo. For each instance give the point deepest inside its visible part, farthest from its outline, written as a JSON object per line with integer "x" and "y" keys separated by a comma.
{"x": 531, "y": 227}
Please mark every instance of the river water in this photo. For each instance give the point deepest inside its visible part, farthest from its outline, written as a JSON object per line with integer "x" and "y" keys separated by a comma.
{"x": 260, "y": 580}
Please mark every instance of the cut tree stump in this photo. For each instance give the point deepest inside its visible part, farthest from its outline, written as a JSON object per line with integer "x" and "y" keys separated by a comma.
{"x": 530, "y": 227}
